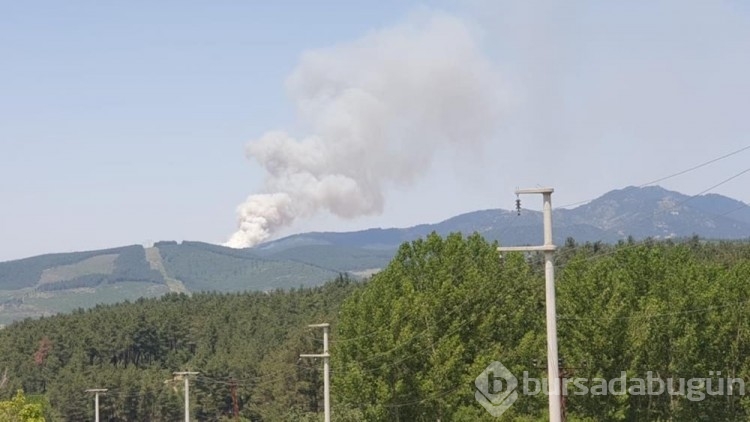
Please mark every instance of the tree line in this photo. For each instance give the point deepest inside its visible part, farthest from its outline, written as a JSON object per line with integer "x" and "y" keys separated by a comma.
{"x": 407, "y": 344}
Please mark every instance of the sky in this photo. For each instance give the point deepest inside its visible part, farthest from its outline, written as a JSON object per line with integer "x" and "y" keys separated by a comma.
{"x": 128, "y": 122}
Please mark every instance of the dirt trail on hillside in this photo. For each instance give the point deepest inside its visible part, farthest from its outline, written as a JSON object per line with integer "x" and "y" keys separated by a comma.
{"x": 153, "y": 256}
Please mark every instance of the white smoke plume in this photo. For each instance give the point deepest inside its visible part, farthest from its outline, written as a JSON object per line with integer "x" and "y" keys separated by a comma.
{"x": 377, "y": 109}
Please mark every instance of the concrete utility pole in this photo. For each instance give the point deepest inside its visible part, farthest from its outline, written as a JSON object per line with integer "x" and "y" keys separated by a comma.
{"x": 96, "y": 392}
{"x": 186, "y": 377}
{"x": 555, "y": 411}
{"x": 326, "y": 369}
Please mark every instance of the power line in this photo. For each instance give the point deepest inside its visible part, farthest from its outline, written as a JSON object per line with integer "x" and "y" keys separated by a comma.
{"x": 744, "y": 205}
{"x": 720, "y": 183}
{"x": 679, "y": 173}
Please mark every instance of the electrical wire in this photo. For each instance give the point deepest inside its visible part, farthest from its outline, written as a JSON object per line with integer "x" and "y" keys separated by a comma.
{"x": 679, "y": 173}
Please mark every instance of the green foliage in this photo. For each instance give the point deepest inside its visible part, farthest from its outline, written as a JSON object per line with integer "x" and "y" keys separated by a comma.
{"x": 678, "y": 310}
{"x": 410, "y": 344}
{"x": 19, "y": 409}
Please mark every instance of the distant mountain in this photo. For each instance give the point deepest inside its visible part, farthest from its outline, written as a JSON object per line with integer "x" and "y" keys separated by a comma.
{"x": 638, "y": 212}
{"x": 660, "y": 213}
{"x": 61, "y": 282}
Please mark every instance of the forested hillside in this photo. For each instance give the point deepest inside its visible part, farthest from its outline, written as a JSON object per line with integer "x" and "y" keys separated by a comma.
{"x": 408, "y": 344}
{"x": 47, "y": 284}
{"x": 250, "y": 339}
{"x": 78, "y": 269}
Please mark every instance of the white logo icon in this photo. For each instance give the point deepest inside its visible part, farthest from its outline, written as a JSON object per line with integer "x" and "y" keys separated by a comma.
{"x": 496, "y": 389}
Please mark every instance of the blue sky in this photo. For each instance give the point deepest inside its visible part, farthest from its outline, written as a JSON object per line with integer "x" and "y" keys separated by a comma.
{"x": 126, "y": 122}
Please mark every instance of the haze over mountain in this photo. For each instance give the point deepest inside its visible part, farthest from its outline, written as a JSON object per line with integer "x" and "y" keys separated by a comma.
{"x": 51, "y": 283}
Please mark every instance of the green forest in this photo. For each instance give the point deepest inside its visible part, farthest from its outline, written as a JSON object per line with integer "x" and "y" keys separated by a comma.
{"x": 407, "y": 344}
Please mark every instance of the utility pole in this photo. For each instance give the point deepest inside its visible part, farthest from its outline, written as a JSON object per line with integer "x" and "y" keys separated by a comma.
{"x": 186, "y": 377}
{"x": 96, "y": 392}
{"x": 326, "y": 369}
{"x": 555, "y": 410}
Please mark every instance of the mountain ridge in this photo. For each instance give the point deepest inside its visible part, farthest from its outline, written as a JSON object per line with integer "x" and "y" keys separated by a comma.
{"x": 55, "y": 282}
{"x": 586, "y": 222}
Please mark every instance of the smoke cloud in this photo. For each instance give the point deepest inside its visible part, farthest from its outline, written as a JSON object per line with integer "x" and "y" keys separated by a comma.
{"x": 377, "y": 109}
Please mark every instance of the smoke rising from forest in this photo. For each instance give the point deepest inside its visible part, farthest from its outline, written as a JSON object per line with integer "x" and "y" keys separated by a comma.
{"x": 377, "y": 110}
